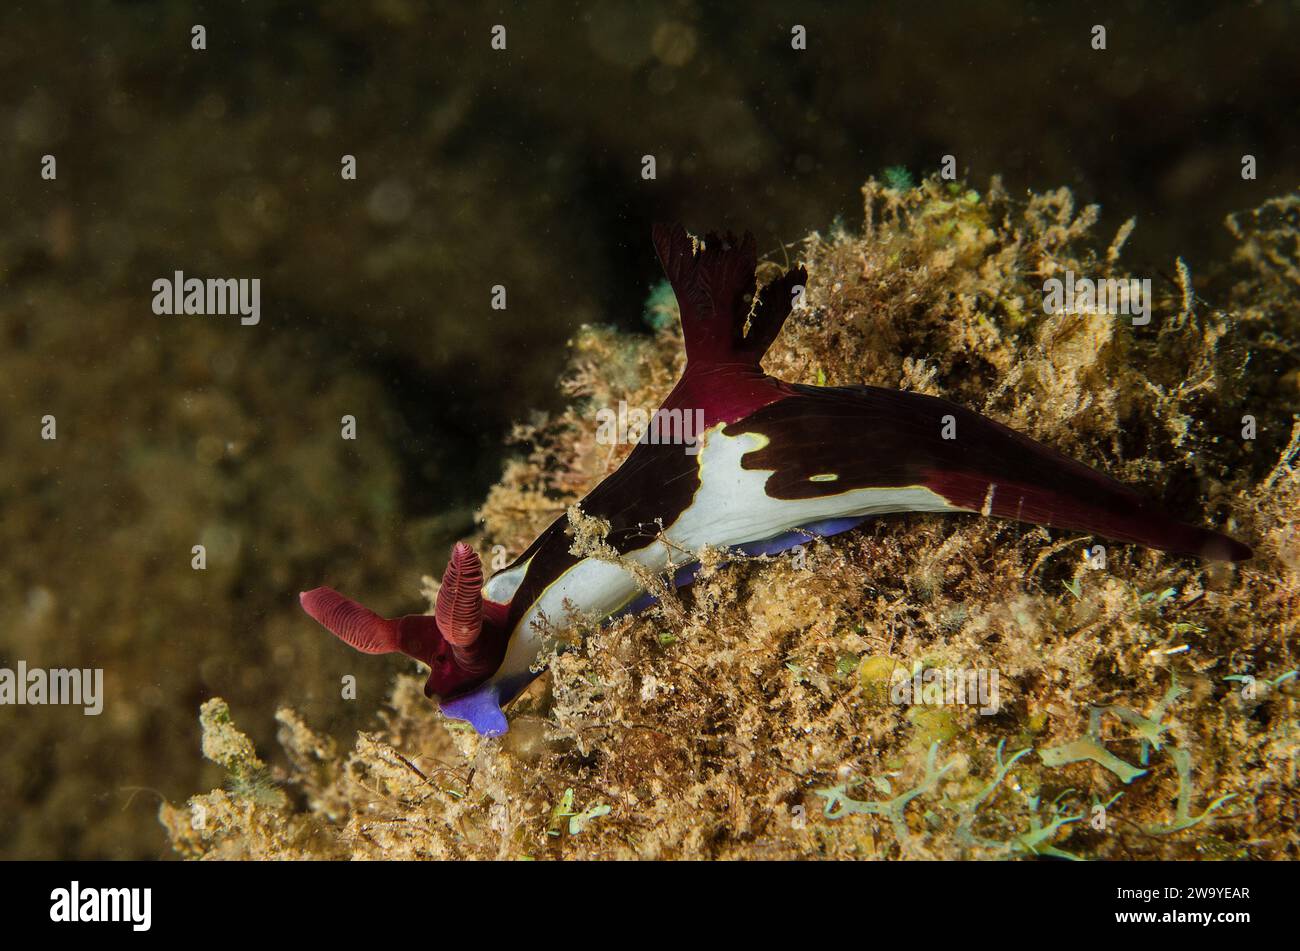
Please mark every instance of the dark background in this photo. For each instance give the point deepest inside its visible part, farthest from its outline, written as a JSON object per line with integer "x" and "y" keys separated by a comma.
{"x": 476, "y": 168}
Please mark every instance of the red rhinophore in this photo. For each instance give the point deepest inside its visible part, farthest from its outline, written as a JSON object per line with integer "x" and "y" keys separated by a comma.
{"x": 350, "y": 622}
{"x": 459, "y": 609}
{"x": 462, "y": 641}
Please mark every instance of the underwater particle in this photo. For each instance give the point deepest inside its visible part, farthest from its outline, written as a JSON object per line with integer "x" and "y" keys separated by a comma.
{"x": 390, "y": 203}
{"x": 622, "y": 34}
{"x": 674, "y": 43}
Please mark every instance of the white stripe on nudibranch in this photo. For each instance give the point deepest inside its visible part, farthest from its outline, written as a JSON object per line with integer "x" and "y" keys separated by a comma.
{"x": 729, "y": 508}
{"x": 501, "y": 587}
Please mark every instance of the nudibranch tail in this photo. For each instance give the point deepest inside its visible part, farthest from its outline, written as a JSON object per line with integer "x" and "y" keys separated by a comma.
{"x": 1107, "y": 509}
{"x": 994, "y": 470}
{"x": 890, "y": 440}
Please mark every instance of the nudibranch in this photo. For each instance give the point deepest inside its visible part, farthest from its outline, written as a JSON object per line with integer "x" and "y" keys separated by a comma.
{"x": 776, "y": 464}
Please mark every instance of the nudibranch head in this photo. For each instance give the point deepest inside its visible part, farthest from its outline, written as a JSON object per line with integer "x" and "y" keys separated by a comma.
{"x": 462, "y": 642}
